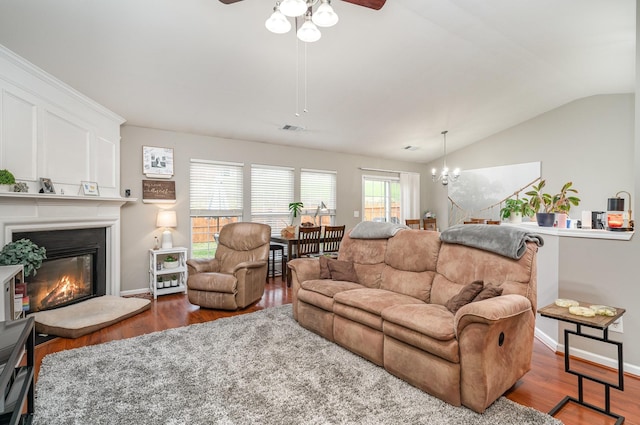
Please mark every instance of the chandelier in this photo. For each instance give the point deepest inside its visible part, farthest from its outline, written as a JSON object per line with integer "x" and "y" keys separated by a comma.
{"x": 444, "y": 176}
{"x": 324, "y": 16}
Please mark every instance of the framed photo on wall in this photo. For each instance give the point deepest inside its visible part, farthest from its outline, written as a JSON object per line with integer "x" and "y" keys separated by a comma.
{"x": 46, "y": 185}
{"x": 90, "y": 188}
{"x": 157, "y": 162}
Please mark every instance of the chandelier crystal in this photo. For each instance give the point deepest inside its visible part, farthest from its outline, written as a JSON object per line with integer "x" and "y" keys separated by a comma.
{"x": 324, "y": 16}
{"x": 444, "y": 177}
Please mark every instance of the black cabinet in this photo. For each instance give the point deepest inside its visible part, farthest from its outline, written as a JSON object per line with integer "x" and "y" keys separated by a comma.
{"x": 16, "y": 382}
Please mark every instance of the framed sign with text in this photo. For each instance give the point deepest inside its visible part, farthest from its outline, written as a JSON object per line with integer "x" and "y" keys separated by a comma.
{"x": 158, "y": 191}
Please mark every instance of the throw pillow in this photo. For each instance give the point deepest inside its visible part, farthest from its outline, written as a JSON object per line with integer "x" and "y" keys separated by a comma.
{"x": 489, "y": 291}
{"x": 325, "y": 273}
{"x": 342, "y": 270}
{"x": 464, "y": 297}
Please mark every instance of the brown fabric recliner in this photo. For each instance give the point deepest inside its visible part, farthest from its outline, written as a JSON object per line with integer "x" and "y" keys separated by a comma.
{"x": 235, "y": 277}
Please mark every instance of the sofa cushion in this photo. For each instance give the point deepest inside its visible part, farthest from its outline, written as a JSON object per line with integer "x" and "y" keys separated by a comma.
{"x": 489, "y": 291}
{"x": 428, "y": 327}
{"x": 325, "y": 273}
{"x": 342, "y": 270}
{"x": 213, "y": 282}
{"x": 413, "y": 251}
{"x": 466, "y": 294}
{"x": 373, "y": 300}
{"x": 320, "y": 292}
{"x": 414, "y": 284}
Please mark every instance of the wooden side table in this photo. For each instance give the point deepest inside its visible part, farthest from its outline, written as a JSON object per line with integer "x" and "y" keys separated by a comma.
{"x": 598, "y": 322}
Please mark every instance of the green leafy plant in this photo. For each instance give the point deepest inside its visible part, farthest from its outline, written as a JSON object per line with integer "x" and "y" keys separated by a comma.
{"x": 24, "y": 252}
{"x": 560, "y": 202}
{"x": 512, "y": 206}
{"x": 170, "y": 259}
{"x": 6, "y": 177}
{"x": 295, "y": 208}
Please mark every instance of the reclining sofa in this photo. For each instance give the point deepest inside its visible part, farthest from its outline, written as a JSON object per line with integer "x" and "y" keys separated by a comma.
{"x": 410, "y": 303}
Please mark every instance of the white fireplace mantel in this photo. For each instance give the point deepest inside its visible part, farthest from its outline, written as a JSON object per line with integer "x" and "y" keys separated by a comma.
{"x": 20, "y": 212}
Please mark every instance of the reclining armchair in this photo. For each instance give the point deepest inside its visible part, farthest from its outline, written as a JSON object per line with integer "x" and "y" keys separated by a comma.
{"x": 236, "y": 276}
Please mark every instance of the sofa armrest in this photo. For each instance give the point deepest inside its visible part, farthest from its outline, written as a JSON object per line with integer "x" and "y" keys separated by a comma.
{"x": 495, "y": 337}
{"x": 305, "y": 269}
{"x": 249, "y": 265}
{"x": 202, "y": 265}
{"x": 491, "y": 310}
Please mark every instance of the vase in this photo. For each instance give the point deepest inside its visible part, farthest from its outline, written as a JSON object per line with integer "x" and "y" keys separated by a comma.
{"x": 171, "y": 264}
{"x": 515, "y": 217}
{"x": 562, "y": 220}
{"x": 546, "y": 219}
{"x": 6, "y": 188}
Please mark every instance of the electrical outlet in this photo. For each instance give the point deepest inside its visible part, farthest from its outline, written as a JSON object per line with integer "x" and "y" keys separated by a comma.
{"x": 616, "y": 326}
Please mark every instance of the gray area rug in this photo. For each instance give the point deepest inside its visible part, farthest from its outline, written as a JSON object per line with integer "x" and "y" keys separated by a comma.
{"x": 258, "y": 368}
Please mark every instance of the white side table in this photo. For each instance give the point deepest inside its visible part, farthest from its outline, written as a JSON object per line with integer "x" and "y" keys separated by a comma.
{"x": 164, "y": 279}
{"x": 9, "y": 276}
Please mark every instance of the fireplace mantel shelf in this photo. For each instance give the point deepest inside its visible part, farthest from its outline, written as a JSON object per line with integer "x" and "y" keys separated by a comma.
{"x": 44, "y": 197}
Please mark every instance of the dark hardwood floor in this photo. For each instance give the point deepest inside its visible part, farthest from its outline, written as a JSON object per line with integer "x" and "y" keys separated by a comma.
{"x": 544, "y": 386}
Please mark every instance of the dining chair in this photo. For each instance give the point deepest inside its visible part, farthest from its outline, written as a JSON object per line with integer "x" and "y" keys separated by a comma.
{"x": 429, "y": 224}
{"x": 332, "y": 237}
{"x": 493, "y": 222}
{"x": 414, "y": 223}
{"x": 308, "y": 241}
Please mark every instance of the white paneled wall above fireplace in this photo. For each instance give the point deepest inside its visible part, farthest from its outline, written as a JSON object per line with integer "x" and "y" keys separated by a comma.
{"x": 47, "y": 129}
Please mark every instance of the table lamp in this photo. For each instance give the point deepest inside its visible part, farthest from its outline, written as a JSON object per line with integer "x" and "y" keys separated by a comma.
{"x": 166, "y": 219}
{"x": 322, "y": 207}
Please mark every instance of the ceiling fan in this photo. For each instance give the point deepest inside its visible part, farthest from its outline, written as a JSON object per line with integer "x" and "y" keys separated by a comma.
{"x": 372, "y": 4}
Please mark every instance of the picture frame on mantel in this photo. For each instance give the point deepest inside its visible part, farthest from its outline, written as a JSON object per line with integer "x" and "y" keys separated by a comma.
{"x": 157, "y": 163}
{"x": 158, "y": 191}
{"x": 46, "y": 185}
{"x": 90, "y": 188}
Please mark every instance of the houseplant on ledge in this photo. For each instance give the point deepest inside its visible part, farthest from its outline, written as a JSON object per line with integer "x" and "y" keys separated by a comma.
{"x": 170, "y": 262}
{"x": 547, "y": 205}
{"x": 24, "y": 252}
{"x": 7, "y": 180}
{"x": 515, "y": 209}
{"x": 290, "y": 231}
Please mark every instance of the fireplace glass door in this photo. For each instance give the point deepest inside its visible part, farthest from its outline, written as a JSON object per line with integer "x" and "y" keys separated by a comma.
{"x": 61, "y": 282}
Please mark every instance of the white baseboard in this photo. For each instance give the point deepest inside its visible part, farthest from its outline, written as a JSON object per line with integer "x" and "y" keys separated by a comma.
{"x": 586, "y": 355}
{"x": 134, "y": 292}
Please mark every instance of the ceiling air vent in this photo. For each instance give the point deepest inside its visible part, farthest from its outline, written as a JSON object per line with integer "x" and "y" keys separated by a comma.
{"x": 410, "y": 148}
{"x": 290, "y": 127}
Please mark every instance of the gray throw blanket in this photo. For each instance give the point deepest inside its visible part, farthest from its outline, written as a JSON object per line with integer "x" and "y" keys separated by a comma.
{"x": 509, "y": 241}
{"x": 375, "y": 230}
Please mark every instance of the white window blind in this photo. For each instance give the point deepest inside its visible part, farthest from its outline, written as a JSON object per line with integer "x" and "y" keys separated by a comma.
{"x": 215, "y": 188}
{"x": 317, "y": 186}
{"x": 271, "y": 193}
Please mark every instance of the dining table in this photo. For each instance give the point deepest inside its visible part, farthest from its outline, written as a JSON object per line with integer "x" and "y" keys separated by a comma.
{"x": 291, "y": 243}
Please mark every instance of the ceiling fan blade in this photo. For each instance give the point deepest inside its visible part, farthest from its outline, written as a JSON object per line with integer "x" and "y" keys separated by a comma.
{"x": 229, "y": 1}
{"x": 372, "y": 4}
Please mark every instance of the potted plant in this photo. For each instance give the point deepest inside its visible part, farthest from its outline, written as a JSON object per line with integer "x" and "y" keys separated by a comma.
{"x": 547, "y": 205}
{"x": 170, "y": 262}
{"x": 174, "y": 280}
{"x": 24, "y": 252}
{"x": 515, "y": 209}
{"x": 160, "y": 283}
{"x": 290, "y": 230}
{"x": 7, "y": 180}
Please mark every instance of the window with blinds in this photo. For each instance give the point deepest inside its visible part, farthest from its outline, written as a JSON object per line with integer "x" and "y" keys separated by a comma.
{"x": 215, "y": 199}
{"x": 318, "y": 187}
{"x": 271, "y": 194}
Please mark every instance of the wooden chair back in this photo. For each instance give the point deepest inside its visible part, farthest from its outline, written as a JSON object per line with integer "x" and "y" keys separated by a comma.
{"x": 429, "y": 224}
{"x": 493, "y": 222}
{"x": 414, "y": 223}
{"x": 308, "y": 241}
{"x": 332, "y": 237}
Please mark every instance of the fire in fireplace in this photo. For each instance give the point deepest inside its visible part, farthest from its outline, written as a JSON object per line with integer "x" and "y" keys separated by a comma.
{"x": 75, "y": 268}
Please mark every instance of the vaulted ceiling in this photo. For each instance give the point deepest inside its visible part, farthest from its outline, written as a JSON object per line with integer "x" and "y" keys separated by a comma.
{"x": 375, "y": 83}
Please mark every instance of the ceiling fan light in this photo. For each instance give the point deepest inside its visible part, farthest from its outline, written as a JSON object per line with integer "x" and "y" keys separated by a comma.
{"x": 278, "y": 23}
{"x": 308, "y": 32}
{"x": 325, "y": 16}
{"x": 293, "y": 8}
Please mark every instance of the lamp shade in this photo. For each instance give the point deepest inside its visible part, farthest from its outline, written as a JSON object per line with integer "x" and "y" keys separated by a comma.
{"x": 324, "y": 16}
{"x": 308, "y": 32}
{"x": 166, "y": 219}
{"x": 278, "y": 23}
{"x": 293, "y": 7}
